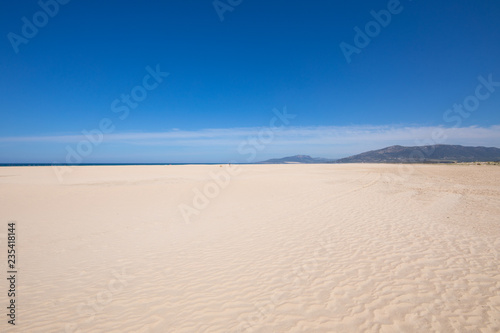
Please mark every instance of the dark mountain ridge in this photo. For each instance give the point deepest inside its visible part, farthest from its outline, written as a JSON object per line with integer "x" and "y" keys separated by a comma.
{"x": 402, "y": 154}
{"x": 426, "y": 154}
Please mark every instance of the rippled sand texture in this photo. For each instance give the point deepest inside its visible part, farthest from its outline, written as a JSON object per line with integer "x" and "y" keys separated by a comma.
{"x": 282, "y": 248}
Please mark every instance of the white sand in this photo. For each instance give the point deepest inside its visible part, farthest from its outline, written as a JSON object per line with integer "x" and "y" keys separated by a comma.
{"x": 283, "y": 248}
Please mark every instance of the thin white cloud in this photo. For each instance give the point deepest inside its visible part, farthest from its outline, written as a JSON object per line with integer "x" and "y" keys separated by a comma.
{"x": 314, "y": 135}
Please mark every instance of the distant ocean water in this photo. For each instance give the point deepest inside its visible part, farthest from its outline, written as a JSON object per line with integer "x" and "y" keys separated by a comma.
{"x": 97, "y": 164}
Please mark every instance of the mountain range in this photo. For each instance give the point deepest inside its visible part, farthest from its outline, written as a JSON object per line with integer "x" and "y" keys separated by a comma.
{"x": 401, "y": 154}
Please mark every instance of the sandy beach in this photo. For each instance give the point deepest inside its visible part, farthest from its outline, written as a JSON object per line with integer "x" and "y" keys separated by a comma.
{"x": 254, "y": 248}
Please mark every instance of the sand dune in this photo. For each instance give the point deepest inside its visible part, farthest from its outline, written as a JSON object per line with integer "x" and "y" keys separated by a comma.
{"x": 280, "y": 248}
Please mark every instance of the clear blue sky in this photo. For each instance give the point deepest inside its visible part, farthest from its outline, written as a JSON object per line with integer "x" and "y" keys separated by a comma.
{"x": 226, "y": 77}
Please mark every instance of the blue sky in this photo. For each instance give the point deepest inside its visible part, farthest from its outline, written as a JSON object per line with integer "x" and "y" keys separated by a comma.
{"x": 225, "y": 78}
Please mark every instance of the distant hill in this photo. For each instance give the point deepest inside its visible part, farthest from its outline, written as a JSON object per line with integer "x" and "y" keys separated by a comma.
{"x": 297, "y": 159}
{"x": 429, "y": 154}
